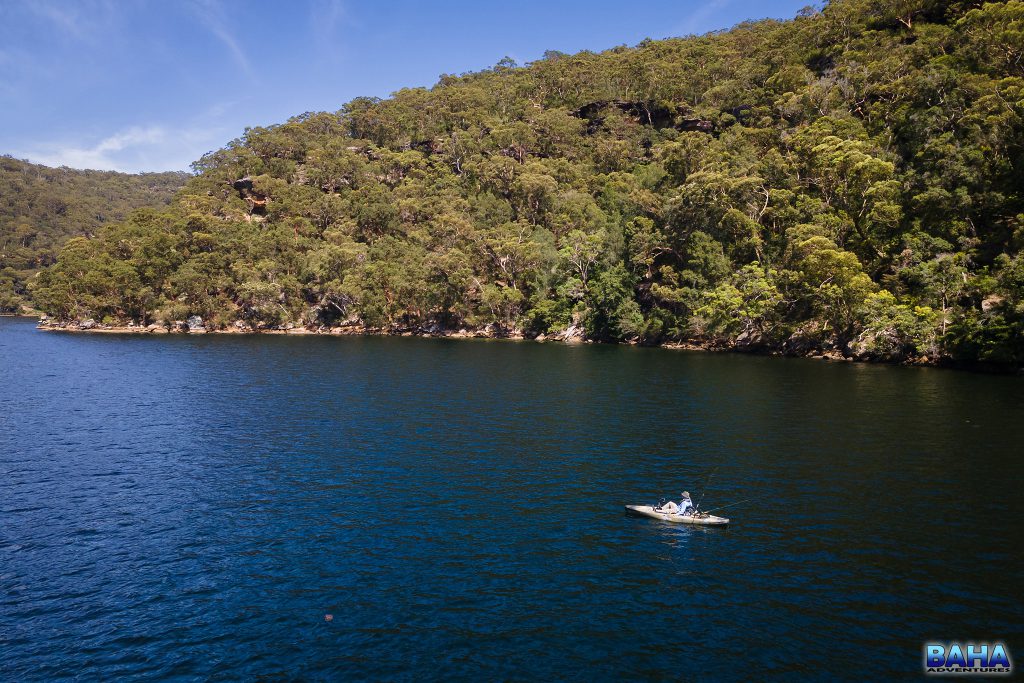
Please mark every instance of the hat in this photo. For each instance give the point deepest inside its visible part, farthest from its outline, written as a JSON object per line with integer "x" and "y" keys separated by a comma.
{"x": 685, "y": 494}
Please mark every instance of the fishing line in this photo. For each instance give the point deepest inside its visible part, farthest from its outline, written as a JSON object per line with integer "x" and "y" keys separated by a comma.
{"x": 722, "y": 507}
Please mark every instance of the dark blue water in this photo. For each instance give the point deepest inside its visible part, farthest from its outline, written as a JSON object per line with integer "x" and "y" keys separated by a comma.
{"x": 192, "y": 507}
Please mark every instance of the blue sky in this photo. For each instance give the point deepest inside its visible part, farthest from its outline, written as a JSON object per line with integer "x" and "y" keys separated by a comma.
{"x": 151, "y": 85}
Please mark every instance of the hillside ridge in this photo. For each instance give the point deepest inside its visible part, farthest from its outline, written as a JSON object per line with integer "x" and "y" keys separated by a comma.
{"x": 845, "y": 182}
{"x": 42, "y": 207}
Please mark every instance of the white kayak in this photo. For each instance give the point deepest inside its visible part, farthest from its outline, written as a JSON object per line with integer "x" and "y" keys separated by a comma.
{"x": 703, "y": 518}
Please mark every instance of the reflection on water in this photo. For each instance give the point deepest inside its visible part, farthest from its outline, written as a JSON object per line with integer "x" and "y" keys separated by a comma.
{"x": 193, "y": 507}
{"x": 680, "y": 538}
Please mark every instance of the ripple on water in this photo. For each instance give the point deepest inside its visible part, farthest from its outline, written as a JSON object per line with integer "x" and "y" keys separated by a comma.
{"x": 192, "y": 508}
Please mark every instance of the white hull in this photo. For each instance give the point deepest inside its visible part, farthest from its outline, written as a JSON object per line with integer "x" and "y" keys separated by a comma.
{"x": 648, "y": 511}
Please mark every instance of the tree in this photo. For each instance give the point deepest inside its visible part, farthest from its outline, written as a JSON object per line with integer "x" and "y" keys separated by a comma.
{"x": 894, "y": 331}
{"x": 747, "y": 306}
{"x": 581, "y": 251}
{"x": 829, "y": 280}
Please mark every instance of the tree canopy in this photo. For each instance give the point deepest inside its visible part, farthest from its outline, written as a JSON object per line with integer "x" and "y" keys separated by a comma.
{"x": 848, "y": 181}
{"x": 41, "y": 208}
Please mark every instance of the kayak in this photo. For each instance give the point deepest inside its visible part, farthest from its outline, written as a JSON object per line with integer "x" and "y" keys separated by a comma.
{"x": 702, "y": 519}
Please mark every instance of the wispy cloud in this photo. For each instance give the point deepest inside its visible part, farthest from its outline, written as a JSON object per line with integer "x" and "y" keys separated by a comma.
{"x": 697, "y": 22}
{"x": 135, "y": 149}
{"x": 88, "y": 22}
{"x": 328, "y": 14}
{"x": 325, "y": 18}
{"x": 211, "y": 15}
{"x": 105, "y": 155}
{"x": 8, "y": 65}
{"x": 63, "y": 18}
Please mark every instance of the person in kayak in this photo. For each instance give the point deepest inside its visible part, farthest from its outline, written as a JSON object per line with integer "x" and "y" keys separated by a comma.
{"x": 673, "y": 509}
{"x": 685, "y": 504}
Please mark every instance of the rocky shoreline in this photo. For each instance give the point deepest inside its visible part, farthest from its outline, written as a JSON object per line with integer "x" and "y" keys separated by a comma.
{"x": 572, "y": 335}
{"x": 196, "y": 325}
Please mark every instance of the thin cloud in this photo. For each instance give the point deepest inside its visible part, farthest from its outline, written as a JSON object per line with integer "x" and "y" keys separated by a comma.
{"x": 327, "y": 15}
{"x": 19, "y": 70}
{"x": 63, "y": 19}
{"x": 102, "y": 156}
{"x": 211, "y": 16}
{"x": 88, "y": 22}
{"x": 133, "y": 150}
{"x": 325, "y": 18}
{"x": 7, "y": 62}
{"x": 697, "y": 21}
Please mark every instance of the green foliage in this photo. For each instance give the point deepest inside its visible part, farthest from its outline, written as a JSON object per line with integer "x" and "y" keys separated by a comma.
{"x": 746, "y": 307}
{"x": 41, "y": 208}
{"x": 848, "y": 180}
{"x": 893, "y": 331}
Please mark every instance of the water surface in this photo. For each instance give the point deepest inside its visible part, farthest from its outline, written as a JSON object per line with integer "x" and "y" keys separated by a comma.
{"x": 192, "y": 508}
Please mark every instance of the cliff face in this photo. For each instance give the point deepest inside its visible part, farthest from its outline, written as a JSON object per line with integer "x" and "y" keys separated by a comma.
{"x": 844, "y": 183}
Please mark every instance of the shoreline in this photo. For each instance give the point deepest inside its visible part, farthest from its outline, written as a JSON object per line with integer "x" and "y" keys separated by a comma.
{"x": 345, "y": 331}
{"x": 568, "y": 339}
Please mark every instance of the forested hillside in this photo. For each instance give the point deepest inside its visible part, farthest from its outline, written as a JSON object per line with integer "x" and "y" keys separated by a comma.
{"x": 847, "y": 181}
{"x": 41, "y": 207}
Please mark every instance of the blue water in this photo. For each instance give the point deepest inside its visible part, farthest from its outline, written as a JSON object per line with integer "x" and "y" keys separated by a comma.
{"x": 191, "y": 508}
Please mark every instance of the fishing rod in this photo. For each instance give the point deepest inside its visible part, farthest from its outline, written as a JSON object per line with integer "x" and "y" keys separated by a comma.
{"x": 705, "y": 489}
{"x": 722, "y": 507}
